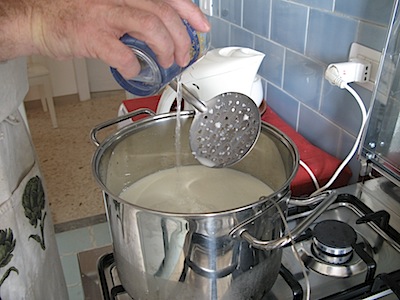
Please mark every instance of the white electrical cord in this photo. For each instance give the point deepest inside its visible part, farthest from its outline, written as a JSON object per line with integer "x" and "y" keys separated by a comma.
{"x": 357, "y": 141}
{"x": 332, "y": 74}
{"x": 336, "y": 80}
{"x": 310, "y": 172}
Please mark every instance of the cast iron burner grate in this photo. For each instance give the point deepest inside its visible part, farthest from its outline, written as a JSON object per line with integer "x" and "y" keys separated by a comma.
{"x": 369, "y": 288}
{"x": 106, "y": 265}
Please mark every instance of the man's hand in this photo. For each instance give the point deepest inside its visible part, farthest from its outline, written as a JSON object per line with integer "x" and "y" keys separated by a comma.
{"x": 92, "y": 28}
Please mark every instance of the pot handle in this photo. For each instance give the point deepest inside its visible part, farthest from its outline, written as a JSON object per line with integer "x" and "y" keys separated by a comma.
{"x": 95, "y": 130}
{"x": 327, "y": 197}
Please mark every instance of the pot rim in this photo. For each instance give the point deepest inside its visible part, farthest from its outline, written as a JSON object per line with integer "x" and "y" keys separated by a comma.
{"x": 148, "y": 121}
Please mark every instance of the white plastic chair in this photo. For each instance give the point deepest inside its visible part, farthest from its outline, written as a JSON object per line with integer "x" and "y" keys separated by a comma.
{"x": 39, "y": 75}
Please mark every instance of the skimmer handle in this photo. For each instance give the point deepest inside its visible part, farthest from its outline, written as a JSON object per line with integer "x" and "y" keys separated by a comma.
{"x": 189, "y": 97}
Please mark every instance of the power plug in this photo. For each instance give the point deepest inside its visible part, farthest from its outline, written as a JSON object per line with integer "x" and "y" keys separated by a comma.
{"x": 353, "y": 71}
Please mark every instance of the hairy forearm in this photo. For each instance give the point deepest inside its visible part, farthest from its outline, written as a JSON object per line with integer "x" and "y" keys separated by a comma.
{"x": 91, "y": 28}
{"x": 15, "y": 28}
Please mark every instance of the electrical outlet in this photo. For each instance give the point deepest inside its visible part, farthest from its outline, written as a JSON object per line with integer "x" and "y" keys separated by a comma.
{"x": 364, "y": 54}
{"x": 206, "y": 6}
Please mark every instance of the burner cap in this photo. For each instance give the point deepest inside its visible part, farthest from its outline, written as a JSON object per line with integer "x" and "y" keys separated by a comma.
{"x": 334, "y": 237}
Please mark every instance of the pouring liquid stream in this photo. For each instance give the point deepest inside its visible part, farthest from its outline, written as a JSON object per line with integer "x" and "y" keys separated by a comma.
{"x": 183, "y": 197}
{"x": 180, "y": 190}
{"x": 178, "y": 122}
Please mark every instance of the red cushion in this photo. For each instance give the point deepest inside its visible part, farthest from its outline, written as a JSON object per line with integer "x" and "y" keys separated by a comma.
{"x": 148, "y": 102}
{"x": 322, "y": 164}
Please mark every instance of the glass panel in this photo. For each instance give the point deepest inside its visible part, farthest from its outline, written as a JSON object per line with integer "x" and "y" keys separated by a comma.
{"x": 382, "y": 140}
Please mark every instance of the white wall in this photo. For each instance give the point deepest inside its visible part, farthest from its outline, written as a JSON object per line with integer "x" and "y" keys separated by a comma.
{"x": 100, "y": 77}
{"x": 74, "y": 76}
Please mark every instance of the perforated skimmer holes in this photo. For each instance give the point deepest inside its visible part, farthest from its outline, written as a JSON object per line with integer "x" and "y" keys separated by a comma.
{"x": 226, "y": 131}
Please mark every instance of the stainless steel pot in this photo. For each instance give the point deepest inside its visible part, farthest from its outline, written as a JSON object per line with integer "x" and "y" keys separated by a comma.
{"x": 232, "y": 254}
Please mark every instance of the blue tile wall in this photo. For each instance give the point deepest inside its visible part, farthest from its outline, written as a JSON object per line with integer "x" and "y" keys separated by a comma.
{"x": 302, "y": 78}
{"x": 340, "y": 106}
{"x": 288, "y": 25}
{"x": 241, "y": 37}
{"x": 231, "y": 10}
{"x": 330, "y": 36}
{"x": 371, "y": 35}
{"x": 300, "y": 38}
{"x": 283, "y": 104}
{"x": 220, "y": 33}
{"x": 256, "y": 15}
{"x": 323, "y": 4}
{"x": 369, "y": 10}
{"x": 272, "y": 66}
{"x": 318, "y": 130}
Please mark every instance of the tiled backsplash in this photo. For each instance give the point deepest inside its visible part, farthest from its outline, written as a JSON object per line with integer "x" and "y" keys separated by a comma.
{"x": 300, "y": 38}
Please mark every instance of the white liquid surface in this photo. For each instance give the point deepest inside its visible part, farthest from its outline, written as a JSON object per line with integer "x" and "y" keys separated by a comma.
{"x": 195, "y": 189}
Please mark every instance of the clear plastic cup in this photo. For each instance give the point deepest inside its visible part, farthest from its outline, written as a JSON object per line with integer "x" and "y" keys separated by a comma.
{"x": 153, "y": 77}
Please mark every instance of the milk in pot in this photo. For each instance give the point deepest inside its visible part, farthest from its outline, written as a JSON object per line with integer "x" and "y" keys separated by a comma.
{"x": 195, "y": 189}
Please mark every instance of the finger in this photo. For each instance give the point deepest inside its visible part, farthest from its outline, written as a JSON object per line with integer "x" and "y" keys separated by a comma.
{"x": 149, "y": 28}
{"x": 178, "y": 32}
{"x": 192, "y": 13}
{"x": 172, "y": 23}
{"x": 118, "y": 56}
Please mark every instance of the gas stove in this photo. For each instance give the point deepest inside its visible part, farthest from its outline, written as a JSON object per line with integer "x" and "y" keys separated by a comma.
{"x": 352, "y": 251}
